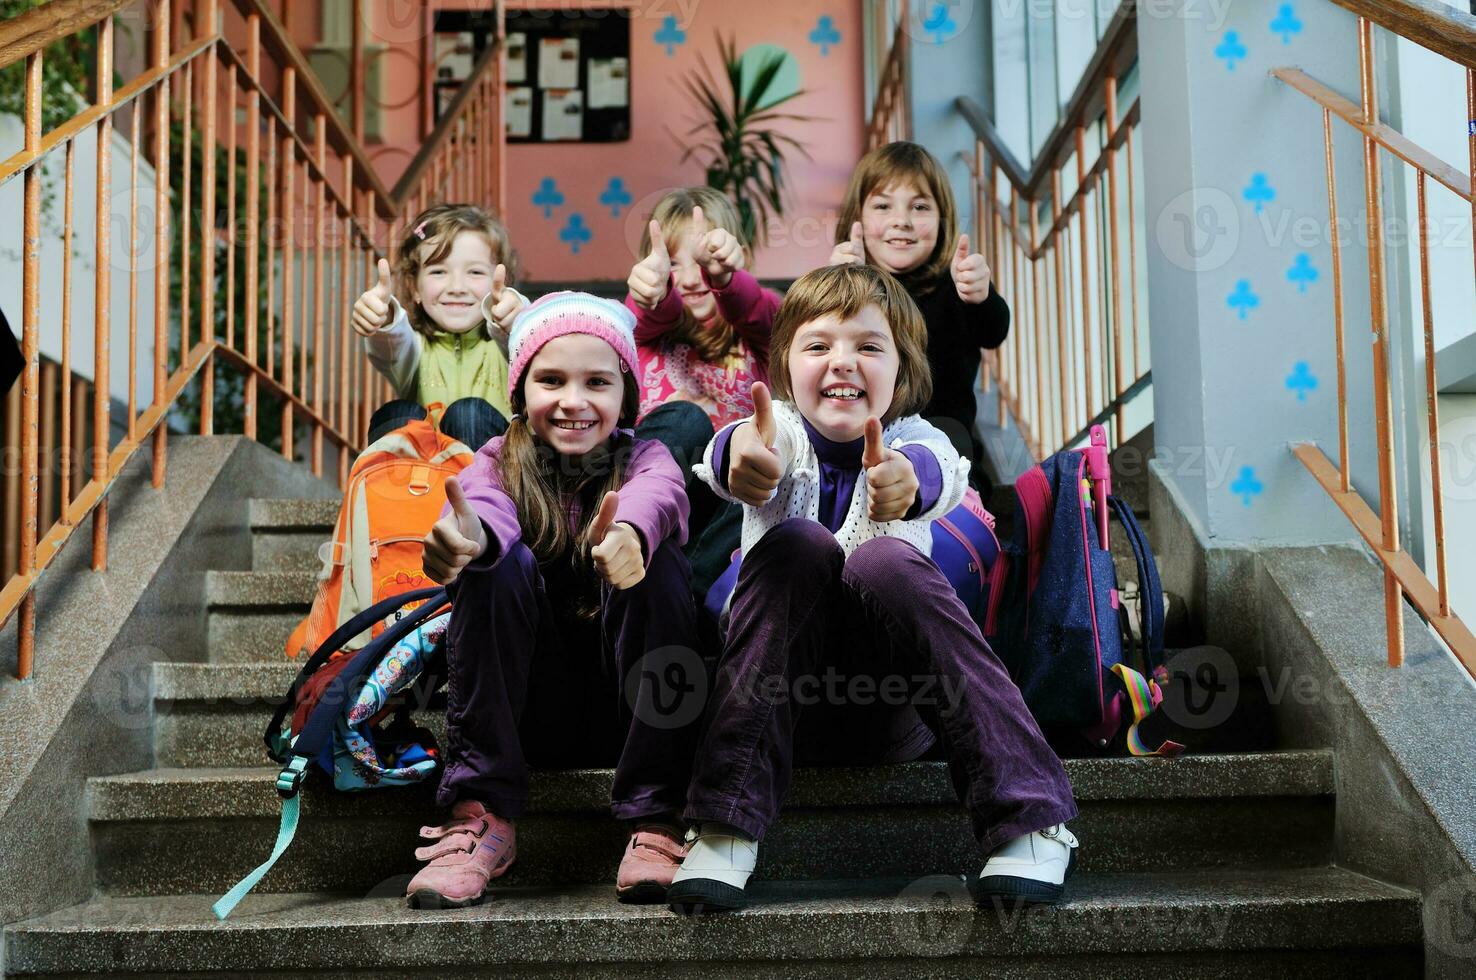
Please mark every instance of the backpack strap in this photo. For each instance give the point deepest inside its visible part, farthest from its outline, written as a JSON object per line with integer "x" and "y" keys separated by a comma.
{"x": 1150, "y": 589}
{"x": 330, "y": 646}
{"x": 319, "y": 727}
{"x": 1143, "y": 695}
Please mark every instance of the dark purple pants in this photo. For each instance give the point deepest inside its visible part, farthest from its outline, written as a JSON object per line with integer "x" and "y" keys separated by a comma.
{"x": 888, "y": 617}
{"x": 532, "y": 684}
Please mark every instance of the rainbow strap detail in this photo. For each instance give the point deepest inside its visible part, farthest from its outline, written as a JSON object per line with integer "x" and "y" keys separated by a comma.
{"x": 1144, "y": 695}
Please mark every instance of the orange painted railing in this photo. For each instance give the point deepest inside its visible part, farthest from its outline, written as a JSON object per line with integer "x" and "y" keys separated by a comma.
{"x": 302, "y": 237}
{"x": 1074, "y": 357}
{"x": 1452, "y": 34}
{"x": 890, "y": 119}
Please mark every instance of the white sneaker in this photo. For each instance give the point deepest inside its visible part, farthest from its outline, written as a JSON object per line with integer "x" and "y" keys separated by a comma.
{"x": 715, "y": 871}
{"x": 1031, "y": 869}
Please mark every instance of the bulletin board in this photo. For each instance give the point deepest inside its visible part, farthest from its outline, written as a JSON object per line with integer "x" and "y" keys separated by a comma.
{"x": 568, "y": 71}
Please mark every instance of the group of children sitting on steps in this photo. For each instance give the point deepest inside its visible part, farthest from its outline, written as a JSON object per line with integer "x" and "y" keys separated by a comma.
{"x": 631, "y": 454}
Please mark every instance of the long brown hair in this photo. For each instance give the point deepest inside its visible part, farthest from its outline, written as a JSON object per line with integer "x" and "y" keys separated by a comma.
{"x": 887, "y": 165}
{"x": 543, "y": 485}
{"x": 428, "y": 240}
{"x": 716, "y": 340}
{"x": 846, "y": 290}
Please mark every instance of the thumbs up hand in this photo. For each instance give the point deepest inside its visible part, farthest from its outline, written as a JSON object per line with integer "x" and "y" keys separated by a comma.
{"x": 851, "y": 252}
{"x": 718, "y": 250}
{"x": 455, "y": 539}
{"x": 650, "y": 278}
{"x": 971, "y": 273}
{"x": 372, "y": 309}
{"x": 615, "y": 548}
{"x": 891, "y": 482}
{"x": 754, "y": 468}
{"x": 502, "y": 305}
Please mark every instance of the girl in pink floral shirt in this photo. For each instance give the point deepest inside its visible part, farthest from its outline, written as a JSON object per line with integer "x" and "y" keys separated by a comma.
{"x": 702, "y": 333}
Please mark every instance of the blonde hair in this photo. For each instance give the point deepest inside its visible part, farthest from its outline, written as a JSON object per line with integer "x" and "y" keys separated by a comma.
{"x": 428, "y": 240}
{"x": 891, "y": 164}
{"x": 715, "y": 340}
{"x": 844, "y": 291}
{"x": 541, "y": 486}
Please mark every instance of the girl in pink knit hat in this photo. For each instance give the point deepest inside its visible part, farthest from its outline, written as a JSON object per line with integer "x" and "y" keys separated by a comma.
{"x": 561, "y": 549}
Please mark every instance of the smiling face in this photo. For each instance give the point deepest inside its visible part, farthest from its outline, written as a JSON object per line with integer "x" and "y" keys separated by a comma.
{"x": 450, "y": 291}
{"x": 572, "y": 392}
{"x": 899, "y": 223}
{"x": 842, "y": 371}
{"x": 687, "y": 274}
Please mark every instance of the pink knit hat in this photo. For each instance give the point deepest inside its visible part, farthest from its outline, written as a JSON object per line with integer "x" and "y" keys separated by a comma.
{"x": 565, "y": 312}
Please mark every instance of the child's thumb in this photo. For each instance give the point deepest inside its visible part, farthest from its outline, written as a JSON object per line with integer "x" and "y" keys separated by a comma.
{"x": 963, "y": 248}
{"x": 699, "y": 221}
{"x": 763, "y": 413}
{"x": 873, "y": 452}
{"x": 384, "y": 276}
{"x": 460, "y": 506}
{"x": 499, "y": 280}
{"x": 604, "y": 518}
{"x": 658, "y": 241}
{"x": 856, "y": 242}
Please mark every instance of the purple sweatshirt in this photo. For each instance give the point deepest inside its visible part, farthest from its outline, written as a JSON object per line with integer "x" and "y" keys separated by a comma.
{"x": 653, "y": 500}
{"x": 840, "y": 467}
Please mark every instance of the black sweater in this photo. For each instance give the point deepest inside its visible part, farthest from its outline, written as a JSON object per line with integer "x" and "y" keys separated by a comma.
{"x": 956, "y": 331}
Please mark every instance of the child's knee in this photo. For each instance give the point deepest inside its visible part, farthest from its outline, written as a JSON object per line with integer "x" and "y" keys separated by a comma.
{"x": 891, "y": 565}
{"x": 798, "y": 540}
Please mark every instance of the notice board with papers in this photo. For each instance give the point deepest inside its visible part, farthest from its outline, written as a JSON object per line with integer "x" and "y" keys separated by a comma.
{"x": 568, "y": 71}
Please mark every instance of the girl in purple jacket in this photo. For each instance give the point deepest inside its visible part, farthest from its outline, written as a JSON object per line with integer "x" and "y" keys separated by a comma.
{"x": 561, "y": 550}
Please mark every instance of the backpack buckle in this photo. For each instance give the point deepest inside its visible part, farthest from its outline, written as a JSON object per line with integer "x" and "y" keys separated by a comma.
{"x": 289, "y": 780}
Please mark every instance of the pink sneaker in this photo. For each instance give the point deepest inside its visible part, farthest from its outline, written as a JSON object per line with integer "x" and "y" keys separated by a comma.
{"x": 652, "y": 856}
{"x": 470, "y": 850}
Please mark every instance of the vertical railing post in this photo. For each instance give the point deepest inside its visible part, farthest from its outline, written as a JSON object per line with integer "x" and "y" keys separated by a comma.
{"x": 289, "y": 265}
{"x": 207, "y": 225}
{"x": 102, "y": 293}
{"x": 161, "y": 234}
{"x": 1068, "y": 355}
{"x": 356, "y": 72}
{"x": 31, "y": 361}
{"x": 320, "y": 149}
{"x": 65, "y": 462}
{"x": 1344, "y": 460}
{"x": 1119, "y": 385}
{"x": 1378, "y": 304}
{"x": 253, "y": 206}
{"x": 1086, "y": 277}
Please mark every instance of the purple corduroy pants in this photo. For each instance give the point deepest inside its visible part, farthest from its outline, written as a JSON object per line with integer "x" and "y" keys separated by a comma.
{"x": 804, "y": 615}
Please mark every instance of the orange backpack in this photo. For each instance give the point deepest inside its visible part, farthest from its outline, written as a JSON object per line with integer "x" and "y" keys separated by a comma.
{"x": 395, "y": 493}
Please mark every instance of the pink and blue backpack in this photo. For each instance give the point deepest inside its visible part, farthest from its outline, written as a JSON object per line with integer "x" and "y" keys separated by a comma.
{"x": 1050, "y": 607}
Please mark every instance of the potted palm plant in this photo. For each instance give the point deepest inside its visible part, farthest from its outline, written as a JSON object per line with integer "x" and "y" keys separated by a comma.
{"x": 736, "y": 138}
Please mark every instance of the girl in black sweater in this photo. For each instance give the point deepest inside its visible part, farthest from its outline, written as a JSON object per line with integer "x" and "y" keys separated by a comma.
{"x": 899, "y": 216}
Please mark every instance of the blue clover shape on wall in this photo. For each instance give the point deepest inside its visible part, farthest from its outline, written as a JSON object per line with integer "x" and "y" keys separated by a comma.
{"x": 548, "y": 196}
{"x": 1243, "y": 299}
{"x": 1231, "y": 49}
{"x": 1286, "y": 23}
{"x": 1259, "y": 191}
{"x": 615, "y": 196}
{"x": 575, "y": 232}
{"x": 670, "y": 35}
{"x": 1301, "y": 380}
{"x": 825, "y": 34}
{"x": 1246, "y": 485}
{"x": 939, "y": 23}
{"x": 1302, "y": 272}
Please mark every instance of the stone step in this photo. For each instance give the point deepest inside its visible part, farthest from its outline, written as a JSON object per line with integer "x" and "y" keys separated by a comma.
{"x": 252, "y": 613}
{"x": 1309, "y": 922}
{"x": 1213, "y": 811}
{"x": 286, "y": 534}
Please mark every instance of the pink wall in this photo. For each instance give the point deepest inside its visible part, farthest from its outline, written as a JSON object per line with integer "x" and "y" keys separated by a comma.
{"x": 647, "y": 163}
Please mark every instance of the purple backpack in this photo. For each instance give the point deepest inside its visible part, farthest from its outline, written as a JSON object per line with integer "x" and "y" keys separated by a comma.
{"x": 1054, "y": 615}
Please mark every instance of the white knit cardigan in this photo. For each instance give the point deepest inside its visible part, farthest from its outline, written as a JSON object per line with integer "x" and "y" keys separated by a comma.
{"x": 798, "y": 494}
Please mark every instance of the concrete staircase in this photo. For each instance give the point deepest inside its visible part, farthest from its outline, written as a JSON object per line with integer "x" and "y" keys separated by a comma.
{"x": 1213, "y": 865}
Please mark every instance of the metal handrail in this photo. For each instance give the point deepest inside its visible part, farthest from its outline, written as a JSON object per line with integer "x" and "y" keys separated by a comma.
{"x": 1453, "y": 34}
{"x": 1047, "y": 377}
{"x": 310, "y": 366}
